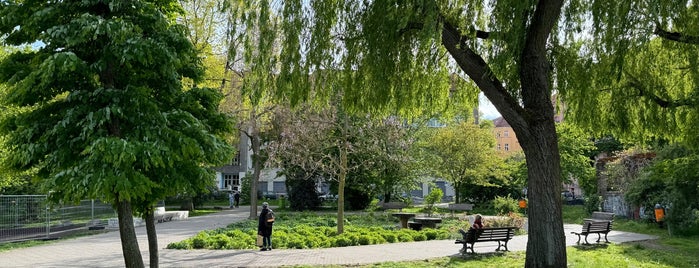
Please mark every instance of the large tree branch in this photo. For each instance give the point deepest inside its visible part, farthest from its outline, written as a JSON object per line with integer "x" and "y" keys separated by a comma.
{"x": 645, "y": 92}
{"x": 534, "y": 69}
{"x": 478, "y": 70}
{"x": 477, "y": 33}
{"x": 675, "y": 36}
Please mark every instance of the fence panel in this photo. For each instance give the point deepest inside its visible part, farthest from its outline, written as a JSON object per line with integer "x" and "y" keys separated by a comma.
{"x": 25, "y": 217}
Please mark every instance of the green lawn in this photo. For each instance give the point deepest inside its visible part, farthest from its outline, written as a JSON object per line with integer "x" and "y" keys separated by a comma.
{"x": 668, "y": 251}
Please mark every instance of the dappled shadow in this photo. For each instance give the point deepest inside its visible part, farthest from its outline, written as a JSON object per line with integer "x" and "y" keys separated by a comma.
{"x": 592, "y": 246}
{"x": 478, "y": 256}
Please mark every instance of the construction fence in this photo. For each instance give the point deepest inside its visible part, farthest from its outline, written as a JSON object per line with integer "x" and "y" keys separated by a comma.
{"x": 31, "y": 217}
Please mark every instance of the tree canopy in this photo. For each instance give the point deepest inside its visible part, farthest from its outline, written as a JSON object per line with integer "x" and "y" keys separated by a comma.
{"x": 643, "y": 87}
{"x": 101, "y": 111}
{"x": 463, "y": 154}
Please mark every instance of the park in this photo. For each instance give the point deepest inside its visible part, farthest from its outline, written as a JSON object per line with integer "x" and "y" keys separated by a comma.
{"x": 333, "y": 110}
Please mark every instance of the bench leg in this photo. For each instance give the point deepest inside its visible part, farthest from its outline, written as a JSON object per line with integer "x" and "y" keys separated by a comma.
{"x": 605, "y": 238}
{"x": 504, "y": 245}
{"x": 586, "y": 240}
{"x": 467, "y": 247}
{"x": 578, "y": 237}
{"x": 599, "y": 237}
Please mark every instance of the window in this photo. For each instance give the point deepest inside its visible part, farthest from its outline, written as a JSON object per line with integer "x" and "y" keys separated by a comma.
{"x": 236, "y": 159}
{"x": 507, "y": 146}
{"x": 507, "y": 133}
{"x": 435, "y": 123}
{"x": 231, "y": 180}
{"x": 498, "y": 147}
{"x": 497, "y": 135}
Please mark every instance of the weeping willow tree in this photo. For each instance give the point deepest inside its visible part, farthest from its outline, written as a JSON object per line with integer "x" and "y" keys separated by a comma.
{"x": 395, "y": 57}
{"x": 638, "y": 75}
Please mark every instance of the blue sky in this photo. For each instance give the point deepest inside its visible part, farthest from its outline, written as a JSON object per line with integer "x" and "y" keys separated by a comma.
{"x": 486, "y": 109}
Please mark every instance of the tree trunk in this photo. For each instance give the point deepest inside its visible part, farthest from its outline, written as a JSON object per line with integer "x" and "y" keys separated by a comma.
{"x": 341, "y": 190}
{"x": 457, "y": 194}
{"x": 257, "y": 169}
{"x": 546, "y": 244}
{"x": 152, "y": 237}
{"x": 127, "y": 232}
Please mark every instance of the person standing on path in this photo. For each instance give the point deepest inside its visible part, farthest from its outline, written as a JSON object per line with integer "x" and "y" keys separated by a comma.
{"x": 230, "y": 199}
{"x": 236, "y": 196}
{"x": 264, "y": 226}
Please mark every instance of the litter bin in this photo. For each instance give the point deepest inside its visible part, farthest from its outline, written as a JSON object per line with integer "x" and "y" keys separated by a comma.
{"x": 659, "y": 215}
{"x": 523, "y": 205}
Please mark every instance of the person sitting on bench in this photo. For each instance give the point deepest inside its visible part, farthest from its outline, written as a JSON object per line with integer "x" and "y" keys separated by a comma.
{"x": 478, "y": 222}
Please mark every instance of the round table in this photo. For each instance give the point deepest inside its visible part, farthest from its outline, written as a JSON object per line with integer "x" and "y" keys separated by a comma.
{"x": 404, "y": 217}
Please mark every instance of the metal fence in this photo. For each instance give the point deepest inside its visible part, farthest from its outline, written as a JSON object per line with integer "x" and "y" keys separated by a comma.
{"x": 26, "y": 217}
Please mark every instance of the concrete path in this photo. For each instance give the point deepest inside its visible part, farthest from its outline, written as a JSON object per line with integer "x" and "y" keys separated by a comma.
{"x": 104, "y": 250}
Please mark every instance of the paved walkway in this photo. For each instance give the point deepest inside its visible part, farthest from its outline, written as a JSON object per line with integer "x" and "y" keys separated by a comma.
{"x": 104, "y": 250}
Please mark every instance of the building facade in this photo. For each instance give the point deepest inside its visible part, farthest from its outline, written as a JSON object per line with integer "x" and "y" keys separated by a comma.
{"x": 229, "y": 177}
{"x": 505, "y": 137}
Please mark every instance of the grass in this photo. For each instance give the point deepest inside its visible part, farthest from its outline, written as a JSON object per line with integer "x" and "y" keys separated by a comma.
{"x": 667, "y": 251}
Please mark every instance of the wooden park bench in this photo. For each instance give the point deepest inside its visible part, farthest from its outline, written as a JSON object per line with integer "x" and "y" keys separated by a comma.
{"x": 595, "y": 227}
{"x": 500, "y": 234}
{"x": 460, "y": 207}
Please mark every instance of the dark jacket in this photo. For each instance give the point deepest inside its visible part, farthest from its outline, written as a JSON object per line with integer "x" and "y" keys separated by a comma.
{"x": 264, "y": 228}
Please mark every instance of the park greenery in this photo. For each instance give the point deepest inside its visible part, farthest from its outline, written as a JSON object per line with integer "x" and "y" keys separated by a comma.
{"x": 135, "y": 101}
{"x": 317, "y": 230}
{"x": 99, "y": 109}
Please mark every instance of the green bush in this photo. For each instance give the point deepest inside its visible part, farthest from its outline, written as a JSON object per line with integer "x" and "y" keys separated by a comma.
{"x": 431, "y": 234}
{"x": 307, "y": 230}
{"x": 419, "y": 236}
{"x": 505, "y": 205}
{"x": 198, "y": 243}
{"x": 342, "y": 241}
{"x": 433, "y": 197}
{"x": 389, "y": 237}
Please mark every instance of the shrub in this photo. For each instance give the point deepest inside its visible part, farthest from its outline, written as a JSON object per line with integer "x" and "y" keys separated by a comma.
{"x": 364, "y": 240}
{"x": 389, "y": 237}
{"x": 179, "y": 245}
{"x": 419, "y": 236}
{"x": 306, "y": 230}
{"x": 505, "y": 205}
{"x": 343, "y": 241}
{"x": 433, "y": 197}
{"x": 198, "y": 243}
{"x": 431, "y": 234}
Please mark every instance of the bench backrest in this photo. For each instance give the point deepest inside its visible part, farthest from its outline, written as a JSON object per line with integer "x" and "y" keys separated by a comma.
{"x": 607, "y": 216}
{"x": 460, "y": 206}
{"x": 393, "y": 205}
{"x": 597, "y": 226}
{"x": 489, "y": 234}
